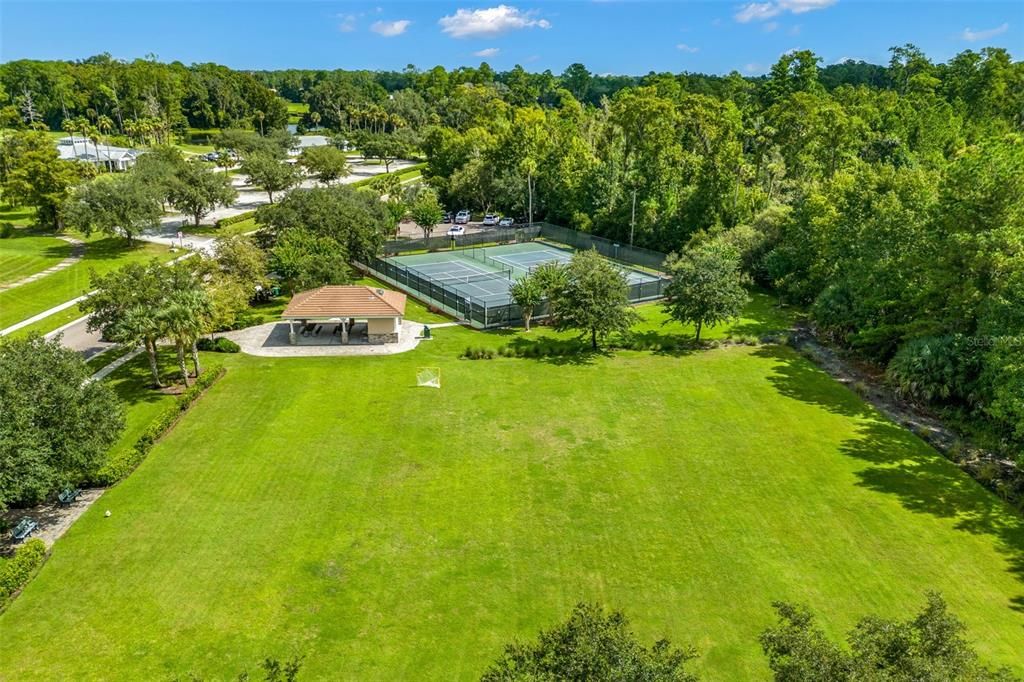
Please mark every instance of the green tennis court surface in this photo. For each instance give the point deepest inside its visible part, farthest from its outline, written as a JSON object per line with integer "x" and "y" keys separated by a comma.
{"x": 486, "y": 274}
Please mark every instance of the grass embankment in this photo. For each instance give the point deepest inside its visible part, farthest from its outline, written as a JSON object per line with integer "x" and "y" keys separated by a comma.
{"x": 20, "y": 216}
{"x": 102, "y": 254}
{"x": 328, "y": 507}
{"x": 25, "y": 253}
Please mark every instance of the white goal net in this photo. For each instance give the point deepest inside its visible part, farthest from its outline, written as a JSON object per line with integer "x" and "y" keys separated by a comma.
{"x": 428, "y": 376}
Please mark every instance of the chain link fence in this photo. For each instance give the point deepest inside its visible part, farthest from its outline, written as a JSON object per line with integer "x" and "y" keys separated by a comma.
{"x": 498, "y": 310}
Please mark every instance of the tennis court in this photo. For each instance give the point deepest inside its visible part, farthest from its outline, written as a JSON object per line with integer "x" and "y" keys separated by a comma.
{"x": 453, "y": 270}
{"x": 474, "y": 282}
{"x": 521, "y": 259}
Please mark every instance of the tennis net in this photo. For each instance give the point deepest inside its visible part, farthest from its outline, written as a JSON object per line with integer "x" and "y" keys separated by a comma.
{"x": 478, "y": 254}
{"x": 467, "y": 279}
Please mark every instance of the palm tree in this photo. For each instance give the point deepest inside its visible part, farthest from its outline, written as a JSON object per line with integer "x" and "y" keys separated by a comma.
{"x": 184, "y": 319}
{"x": 315, "y": 118}
{"x": 260, "y": 116}
{"x": 141, "y": 325}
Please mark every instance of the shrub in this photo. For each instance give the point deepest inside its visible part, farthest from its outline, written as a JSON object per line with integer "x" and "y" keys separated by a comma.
{"x": 1002, "y": 382}
{"x": 223, "y": 345}
{"x": 472, "y": 353}
{"x": 231, "y": 220}
{"x": 934, "y": 369}
{"x": 218, "y": 345}
{"x": 20, "y": 568}
{"x": 115, "y": 470}
{"x": 6, "y": 230}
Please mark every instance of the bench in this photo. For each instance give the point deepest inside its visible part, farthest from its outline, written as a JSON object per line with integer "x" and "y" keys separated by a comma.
{"x": 68, "y": 495}
{"x": 23, "y": 529}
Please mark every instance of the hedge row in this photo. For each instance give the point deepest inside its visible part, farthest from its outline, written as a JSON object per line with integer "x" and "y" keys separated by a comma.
{"x": 20, "y": 568}
{"x": 115, "y": 470}
{"x": 218, "y": 345}
{"x": 231, "y": 220}
{"x": 407, "y": 169}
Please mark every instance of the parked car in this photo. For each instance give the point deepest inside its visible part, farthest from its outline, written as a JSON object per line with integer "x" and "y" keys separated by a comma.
{"x": 456, "y": 230}
{"x": 490, "y": 219}
{"x": 210, "y": 156}
{"x": 447, "y": 217}
{"x": 506, "y": 222}
{"x": 462, "y": 217}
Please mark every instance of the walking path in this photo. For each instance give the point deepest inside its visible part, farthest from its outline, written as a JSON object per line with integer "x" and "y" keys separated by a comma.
{"x": 46, "y": 313}
{"x": 64, "y": 306}
{"x": 53, "y": 519}
{"x": 77, "y": 251}
{"x": 116, "y": 364}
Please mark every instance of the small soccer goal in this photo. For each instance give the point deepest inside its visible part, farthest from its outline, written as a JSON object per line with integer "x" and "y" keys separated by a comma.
{"x": 428, "y": 376}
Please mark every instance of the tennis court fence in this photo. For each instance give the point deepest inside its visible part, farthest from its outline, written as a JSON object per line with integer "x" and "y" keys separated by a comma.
{"x": 493, "y": 311}
{"x": 624, "y": 253}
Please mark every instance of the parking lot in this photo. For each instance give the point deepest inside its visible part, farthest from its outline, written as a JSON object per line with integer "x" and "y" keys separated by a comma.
{"x": 407, "y": 228}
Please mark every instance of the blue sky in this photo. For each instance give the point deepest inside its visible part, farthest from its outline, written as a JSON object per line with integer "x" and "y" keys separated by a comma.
{"x": 609, "y": 36}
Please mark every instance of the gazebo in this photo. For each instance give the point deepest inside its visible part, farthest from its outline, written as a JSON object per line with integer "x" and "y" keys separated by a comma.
{"x": 356, "y": 314}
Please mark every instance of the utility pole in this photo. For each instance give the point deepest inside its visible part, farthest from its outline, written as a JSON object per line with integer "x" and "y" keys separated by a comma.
{"x": 529, "y": 185}
{"x": 632, "y": 222}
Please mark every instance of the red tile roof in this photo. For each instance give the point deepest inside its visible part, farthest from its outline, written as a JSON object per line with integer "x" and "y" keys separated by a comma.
{"x": 345, "y": 301}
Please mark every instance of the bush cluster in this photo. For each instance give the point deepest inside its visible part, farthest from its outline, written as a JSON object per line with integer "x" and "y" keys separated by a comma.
{"x": 231, "y": 220}
{"x": 17, "y": 570}
{"x": 472, "y": 353}
{"x": 6, "y": 230}
{"x": 115, "y": 470}
{"x": 218, "y": 345}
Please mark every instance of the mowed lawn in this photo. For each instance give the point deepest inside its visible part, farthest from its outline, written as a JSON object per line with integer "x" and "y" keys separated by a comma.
{"x": 329, "y": 508}
{"x": 102, "y": 254}
{"x": 25, "y": 253}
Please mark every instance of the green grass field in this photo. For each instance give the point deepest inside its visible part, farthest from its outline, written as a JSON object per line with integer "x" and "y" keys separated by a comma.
{"x": 102, "y": 254}
{"x": 330, "y": 508}
{"x": 26, "y": 253}
{"x": 18, "y": 215}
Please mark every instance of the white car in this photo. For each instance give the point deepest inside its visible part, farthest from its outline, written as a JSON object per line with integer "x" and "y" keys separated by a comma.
{"x": 506, "y": 222}
{"x": 462, "y": 217}
{"x": 456, "y": 230}
{"x": 490, "y": 219}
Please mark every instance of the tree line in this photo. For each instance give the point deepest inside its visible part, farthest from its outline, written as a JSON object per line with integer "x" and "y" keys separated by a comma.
{"x": 887, "y": 199}
{"x": 143, "y": 101}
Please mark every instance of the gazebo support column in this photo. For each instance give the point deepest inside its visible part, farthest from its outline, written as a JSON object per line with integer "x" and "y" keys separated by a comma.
{"x": 291, "y": 332}
{"x": 344, "y": 331}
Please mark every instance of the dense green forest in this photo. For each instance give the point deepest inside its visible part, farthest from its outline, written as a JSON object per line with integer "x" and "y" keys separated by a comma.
{"x": 887, "y": 199}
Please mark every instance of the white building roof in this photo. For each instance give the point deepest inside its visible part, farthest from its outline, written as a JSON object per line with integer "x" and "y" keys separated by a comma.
{"x": 83, "y": 149}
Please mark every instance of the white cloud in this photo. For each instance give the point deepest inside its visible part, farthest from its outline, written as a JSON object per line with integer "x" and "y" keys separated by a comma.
{"x": 757, "y": 11}
{"x": 487, "y": 52}
{"x": 753, "y": 68}
{"x": 801, "y": 6}
{"x": 683, "y": 47}
{"x": 492, "y": 21}
{"x": 390, "y": 29}
{"x": 348, "y": 23}
{"x": 972, "y": 36}
{"x": 770, "y": 26}
{"x": 762, "y": 11}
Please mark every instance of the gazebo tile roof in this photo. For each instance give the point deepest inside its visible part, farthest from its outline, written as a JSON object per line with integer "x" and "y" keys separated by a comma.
{"x": 345, "y": 301}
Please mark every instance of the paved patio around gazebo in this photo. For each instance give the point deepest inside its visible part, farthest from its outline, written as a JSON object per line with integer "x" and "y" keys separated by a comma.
{"x": 271, "y": 340}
